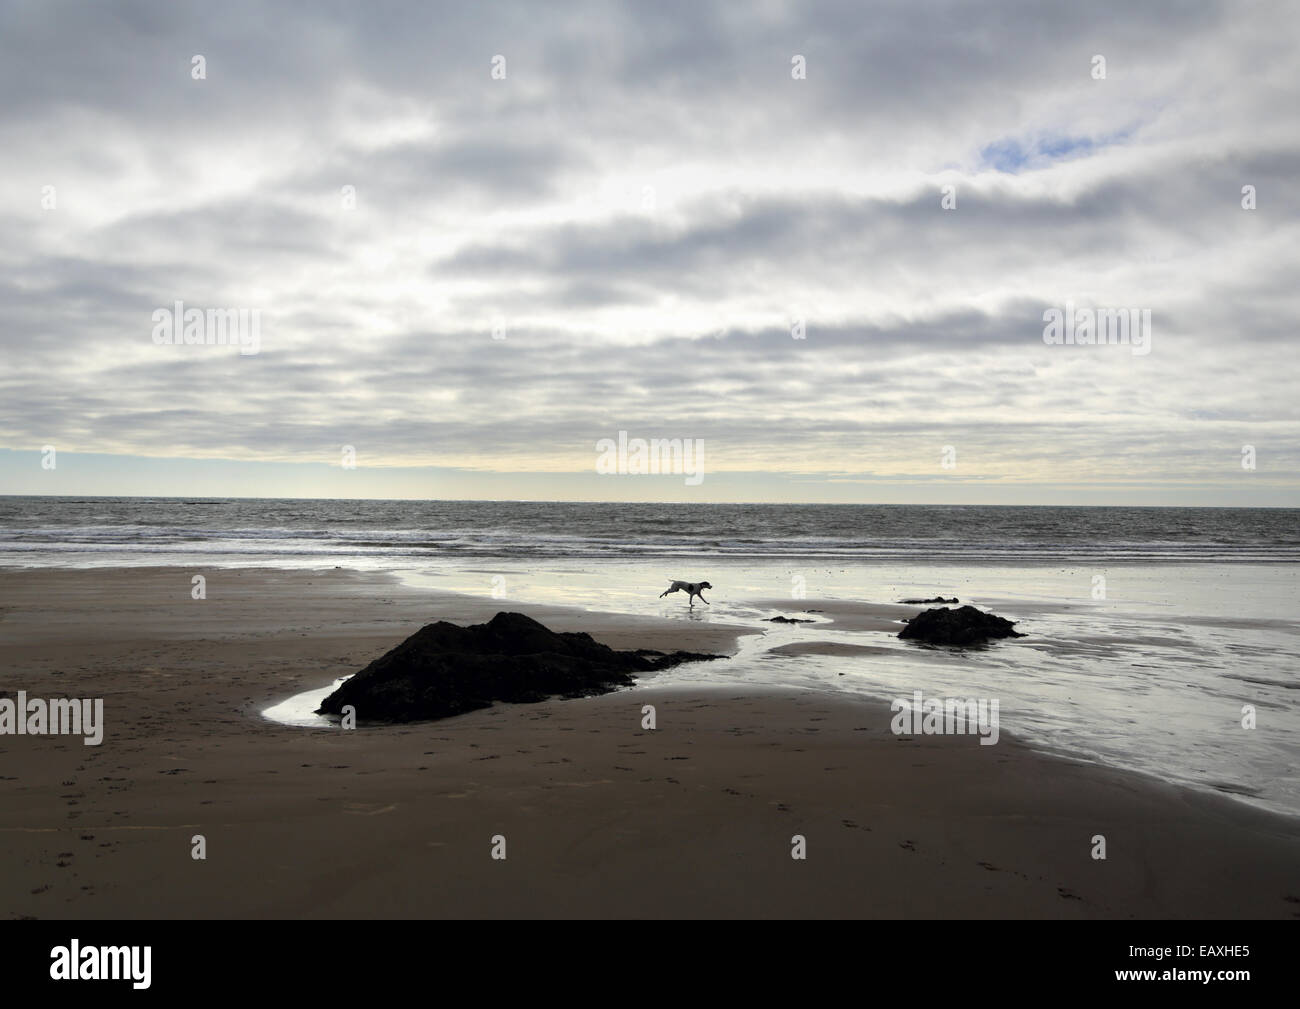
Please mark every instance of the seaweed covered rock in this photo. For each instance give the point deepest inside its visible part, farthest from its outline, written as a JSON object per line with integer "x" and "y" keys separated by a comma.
{"x": 964, "y": 626}
{"x": 444, "y": 669}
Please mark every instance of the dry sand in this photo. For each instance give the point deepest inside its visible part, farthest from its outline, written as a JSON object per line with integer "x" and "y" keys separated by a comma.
{"x": 600, "y": 817}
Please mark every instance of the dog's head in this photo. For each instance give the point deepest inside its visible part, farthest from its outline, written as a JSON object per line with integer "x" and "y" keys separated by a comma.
{"x": 705, "y": 585}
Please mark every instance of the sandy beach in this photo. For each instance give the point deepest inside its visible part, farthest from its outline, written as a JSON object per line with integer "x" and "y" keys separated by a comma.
{"x": 600, "y": 817}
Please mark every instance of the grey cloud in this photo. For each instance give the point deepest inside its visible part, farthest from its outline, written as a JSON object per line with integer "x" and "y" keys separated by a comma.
{"x": 517, "y": 200}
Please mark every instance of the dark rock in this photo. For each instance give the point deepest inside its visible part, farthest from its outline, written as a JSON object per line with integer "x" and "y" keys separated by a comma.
{"x": 789, "y": 620}
{"x": 964, "y": 626}
{"x": 922, "y": 602}
{"x": 444, "y": 669}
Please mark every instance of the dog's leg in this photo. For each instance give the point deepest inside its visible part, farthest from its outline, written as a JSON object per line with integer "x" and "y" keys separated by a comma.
{"x": 703, "y": 600}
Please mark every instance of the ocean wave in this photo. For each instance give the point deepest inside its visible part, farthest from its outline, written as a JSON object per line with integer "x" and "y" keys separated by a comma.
{"x": 60, "y": 527}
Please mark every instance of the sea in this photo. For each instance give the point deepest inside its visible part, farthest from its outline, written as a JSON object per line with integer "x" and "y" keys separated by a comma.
{"x": 1160, "y": 640}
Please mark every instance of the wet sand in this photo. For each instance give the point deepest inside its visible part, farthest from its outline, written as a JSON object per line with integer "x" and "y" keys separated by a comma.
{"x": 600, "y": 817}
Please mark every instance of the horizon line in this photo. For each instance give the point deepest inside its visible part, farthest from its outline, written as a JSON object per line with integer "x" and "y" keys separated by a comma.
{"x": 768, "y": 504}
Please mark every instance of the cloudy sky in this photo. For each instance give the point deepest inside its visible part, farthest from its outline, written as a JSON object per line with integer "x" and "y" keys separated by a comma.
{"x": 483, "y": 236}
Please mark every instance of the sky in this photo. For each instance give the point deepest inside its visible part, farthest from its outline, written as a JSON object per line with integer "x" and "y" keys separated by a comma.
{"x": 819, "y": 242}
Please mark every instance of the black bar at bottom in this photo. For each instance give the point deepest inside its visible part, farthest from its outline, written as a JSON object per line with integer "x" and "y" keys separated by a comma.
{"x": 331, "y": 959}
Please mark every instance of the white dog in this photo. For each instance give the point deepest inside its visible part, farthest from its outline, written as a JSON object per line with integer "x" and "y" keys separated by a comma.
{"x": 692, "y": 588}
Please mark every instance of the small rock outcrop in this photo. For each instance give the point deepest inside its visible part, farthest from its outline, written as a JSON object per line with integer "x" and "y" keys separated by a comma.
{"x": 922, "y": 602}
{"x": 789, "y": 620}
{"x": 444, "y": 669}
{"x": 964, "y": 626}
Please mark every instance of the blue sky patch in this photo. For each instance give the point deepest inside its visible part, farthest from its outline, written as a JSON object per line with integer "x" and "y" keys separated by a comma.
{"x": 1015, "y": 154}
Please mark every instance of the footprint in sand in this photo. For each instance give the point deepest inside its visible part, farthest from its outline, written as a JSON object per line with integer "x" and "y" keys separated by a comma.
{"x": 367, "y": 808}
